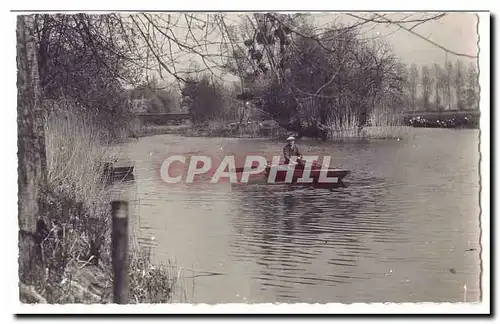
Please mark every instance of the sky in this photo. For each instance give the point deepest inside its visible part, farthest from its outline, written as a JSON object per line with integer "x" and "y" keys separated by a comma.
{"x": 455, "y": 31}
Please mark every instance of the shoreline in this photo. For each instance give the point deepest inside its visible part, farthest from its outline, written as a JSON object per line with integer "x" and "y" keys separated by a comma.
{"x": 370, "y": 133}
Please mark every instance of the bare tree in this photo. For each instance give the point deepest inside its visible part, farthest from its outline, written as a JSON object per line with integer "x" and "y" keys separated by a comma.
{"x": 437, "y": 73}
{"x": 427, "y": 84}
{"x": 414, "y": 82}
{"x": 472, "y": 90}
{"x": 32, "y": 167}
{"x": 449, "y": 84}
{"x": 459, "y": 82}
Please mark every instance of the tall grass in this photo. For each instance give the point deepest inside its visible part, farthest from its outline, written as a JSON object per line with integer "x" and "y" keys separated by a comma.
{"x": 383, "y": 125}
{"x": 76, "y": 152}
{"x": 386, "y": 124}
{"x": 343, "y": 127}
{"x": 77, "y": 243}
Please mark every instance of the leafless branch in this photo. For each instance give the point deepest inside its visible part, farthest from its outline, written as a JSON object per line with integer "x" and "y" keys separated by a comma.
{"x": 160, "y": 61}
{"x": 402, "y": 21}
{"x": 399, "y": 23}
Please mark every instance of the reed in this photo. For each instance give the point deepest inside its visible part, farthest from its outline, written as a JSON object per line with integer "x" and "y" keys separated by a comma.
{"x": 385, "y": 124}
{"x": 382, "y": 125}
{"x": 77, "y": 243}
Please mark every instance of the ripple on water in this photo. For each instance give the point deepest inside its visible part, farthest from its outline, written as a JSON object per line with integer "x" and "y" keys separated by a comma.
{"x": 410, "y": 208}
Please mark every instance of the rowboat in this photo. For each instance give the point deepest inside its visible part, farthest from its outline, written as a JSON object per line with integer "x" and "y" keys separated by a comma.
{"x": 320, "y": 176}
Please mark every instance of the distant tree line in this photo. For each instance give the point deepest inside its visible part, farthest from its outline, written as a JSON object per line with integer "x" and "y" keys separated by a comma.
{"x": 437, "y": 88}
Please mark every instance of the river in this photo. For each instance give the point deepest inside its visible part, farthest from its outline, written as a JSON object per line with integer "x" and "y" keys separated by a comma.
{"x": 405, "y": 230}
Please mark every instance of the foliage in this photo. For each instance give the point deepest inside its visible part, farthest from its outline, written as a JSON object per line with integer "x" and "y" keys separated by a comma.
{"x": 203, "y": 98}
{"x": 311, "y": 81}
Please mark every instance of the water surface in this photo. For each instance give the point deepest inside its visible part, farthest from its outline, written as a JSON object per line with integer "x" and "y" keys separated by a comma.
{"x": 398, "y": 233}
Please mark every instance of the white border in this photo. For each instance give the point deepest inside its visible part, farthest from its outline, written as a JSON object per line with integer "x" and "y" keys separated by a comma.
{"x": 224, "y": 5}
{"x": 10, "y": 164}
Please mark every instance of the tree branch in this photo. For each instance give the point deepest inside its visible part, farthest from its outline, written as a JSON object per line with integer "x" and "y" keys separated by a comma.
{"x": 410, "y": 30}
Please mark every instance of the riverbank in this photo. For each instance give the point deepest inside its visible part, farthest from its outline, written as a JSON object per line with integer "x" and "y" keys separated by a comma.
{"x": 215, "y": 129}
{"x": 469, "y": 122}
{"x": 74, "y": 235}
{"x": 251, "y": 131}
{"x": 468, "y": 118}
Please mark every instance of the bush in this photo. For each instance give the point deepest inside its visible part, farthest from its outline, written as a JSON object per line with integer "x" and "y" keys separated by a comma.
{"x": 203, "y": 98}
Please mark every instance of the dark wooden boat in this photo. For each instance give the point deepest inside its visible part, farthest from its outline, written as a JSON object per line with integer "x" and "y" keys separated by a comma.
{"x": 333, "y": 175}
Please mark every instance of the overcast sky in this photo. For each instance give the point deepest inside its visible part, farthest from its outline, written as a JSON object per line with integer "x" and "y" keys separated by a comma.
{"x": 455, "y": 31}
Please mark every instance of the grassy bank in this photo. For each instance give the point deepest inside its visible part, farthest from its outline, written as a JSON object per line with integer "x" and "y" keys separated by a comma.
{"x": 215, "y": 129}
{"x": 76, "y": 242}
{"x": 343, "y": 132}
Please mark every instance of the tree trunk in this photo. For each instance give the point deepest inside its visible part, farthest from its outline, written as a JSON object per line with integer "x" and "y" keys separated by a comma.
{"x": 31, "y": 146}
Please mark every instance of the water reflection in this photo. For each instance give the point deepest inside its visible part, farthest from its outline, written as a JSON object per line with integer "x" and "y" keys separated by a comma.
{"x": 288, "y": 230}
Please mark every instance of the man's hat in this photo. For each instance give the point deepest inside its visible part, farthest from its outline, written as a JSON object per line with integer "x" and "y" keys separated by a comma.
{"x": 291, "y": 138}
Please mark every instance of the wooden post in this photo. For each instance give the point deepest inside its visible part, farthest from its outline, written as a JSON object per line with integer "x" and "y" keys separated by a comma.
{"x": 119, "y": 239}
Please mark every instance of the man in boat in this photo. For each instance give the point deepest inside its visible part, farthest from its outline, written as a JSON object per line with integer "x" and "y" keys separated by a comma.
{"x": 291, "y": 150}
